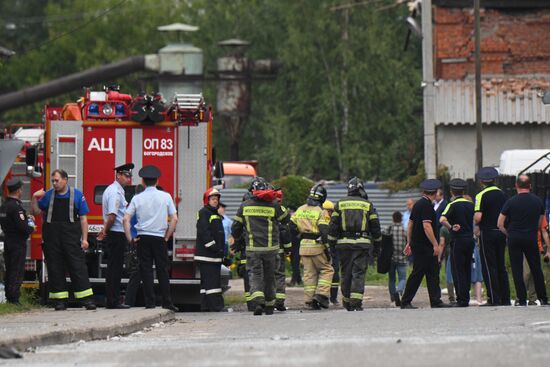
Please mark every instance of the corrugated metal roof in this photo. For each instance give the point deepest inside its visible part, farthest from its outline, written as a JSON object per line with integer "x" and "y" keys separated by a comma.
{"x": 384, "y": 201}
{"x": 455, "y": 105}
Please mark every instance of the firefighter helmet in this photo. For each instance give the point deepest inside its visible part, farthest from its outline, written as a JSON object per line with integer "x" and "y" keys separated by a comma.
{"x": 258, "y": 183}
{"x": 208, "y": 193}
{"x": 328, "y": 205}
{"x": 318, "y": 193}
{"x": 355, "y": 186}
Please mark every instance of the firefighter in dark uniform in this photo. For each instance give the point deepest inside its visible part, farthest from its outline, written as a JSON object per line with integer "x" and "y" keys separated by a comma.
{"x": 152, "y": 207}
{"x": 114, "y": 206}
{"x": 258, "y": 220}
{"x": 422, "y": 243}
{"x": 210, "y": 251}
{"x": 65, "y": 235}
{"x": 285, "y": 246}
{"x": 17, "y": 226}
{"x": 492, "y": 242}
{"x": 458, "y": 217}
{"x": 354, "y": 230}
{"x": 239, "y": 247}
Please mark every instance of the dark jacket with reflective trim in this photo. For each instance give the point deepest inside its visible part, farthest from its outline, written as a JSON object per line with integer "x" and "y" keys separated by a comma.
{"x": 259, "y": 222}
{"x": 354, "y": 223}
{"x": 210, "y": 236}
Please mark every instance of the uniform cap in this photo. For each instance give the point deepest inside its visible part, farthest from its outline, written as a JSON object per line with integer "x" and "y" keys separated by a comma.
{"x": 149, "y": 172}
{"x": 125, "y": 168}
{"x": 430, "y": 184}
{"x": 14, "y": 184}
{"x": 458, "y": 183}
{"x": 487, "y": 173}
{"x": 223, "y": 205}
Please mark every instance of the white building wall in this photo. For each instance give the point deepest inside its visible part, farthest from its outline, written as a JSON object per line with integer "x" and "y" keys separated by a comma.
{"x": 456, "y": 144}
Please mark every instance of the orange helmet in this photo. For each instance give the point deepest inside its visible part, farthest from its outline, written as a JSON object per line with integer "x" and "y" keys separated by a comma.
{"x": 208, "y": 193}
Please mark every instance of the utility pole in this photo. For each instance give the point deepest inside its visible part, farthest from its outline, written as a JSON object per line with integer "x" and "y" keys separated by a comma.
{"x": 430, "y": 153}
{"x": 479, "y": 137}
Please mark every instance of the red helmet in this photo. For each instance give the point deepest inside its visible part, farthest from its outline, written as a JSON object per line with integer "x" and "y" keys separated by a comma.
{"x": 208, "y": 193}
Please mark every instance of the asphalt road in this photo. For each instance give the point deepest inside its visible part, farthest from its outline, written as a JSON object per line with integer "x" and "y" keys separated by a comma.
{"x": 505, "y": 336}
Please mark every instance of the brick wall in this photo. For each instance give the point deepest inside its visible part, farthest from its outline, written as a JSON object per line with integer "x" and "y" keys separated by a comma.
{"x": 512, "y": 42}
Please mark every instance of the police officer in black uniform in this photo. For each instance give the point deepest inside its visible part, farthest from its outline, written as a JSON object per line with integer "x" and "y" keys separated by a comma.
{"x": 520, "y": 220}
{"x": 492, "y": 242}
{"x": 422, "y": 243}
{"x": 17, "y": 226}
{"x": 209, "y": 251}
{"x": 458, "y": 217}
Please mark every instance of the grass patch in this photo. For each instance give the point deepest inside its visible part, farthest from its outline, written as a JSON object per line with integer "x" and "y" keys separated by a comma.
{"x": 233, "y": 299}
{"x": 29, "y": 300}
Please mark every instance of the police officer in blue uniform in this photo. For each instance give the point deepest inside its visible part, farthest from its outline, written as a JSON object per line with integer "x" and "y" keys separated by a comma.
{"x": 422, "y": 243}
{"x": 151, "y": 208}
{"x": 17, "y": 226}
{"x": 458, "y": 218}
{"x": 114, "y": 206}
{"x": 492, "y": 242}
{"x": 65, "y": 235}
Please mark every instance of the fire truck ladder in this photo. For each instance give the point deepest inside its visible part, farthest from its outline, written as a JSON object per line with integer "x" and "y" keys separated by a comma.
{"x": 67, "y": 158}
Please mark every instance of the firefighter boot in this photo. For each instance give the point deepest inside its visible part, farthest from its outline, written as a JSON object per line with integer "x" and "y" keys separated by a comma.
{"x": 60, "y": 306}
{"x": 250, "y": 306}
{"x": 280, "y": 305}
{"x": 355, "y": 306}
{"x": 313, "y": 305}
{"x": 89, "y": 305}
{"x": 258, "y": 310}
{"x": 346, "y": 305}
{"x": 322, "y": 301}
{"x": 269, "y": 310}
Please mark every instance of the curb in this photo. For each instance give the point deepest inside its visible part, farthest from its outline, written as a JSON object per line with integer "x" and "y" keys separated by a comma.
{"x": 76, "y": 334}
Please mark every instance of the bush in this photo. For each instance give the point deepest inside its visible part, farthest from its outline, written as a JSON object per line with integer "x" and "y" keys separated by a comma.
{"x": 295, "y": 190}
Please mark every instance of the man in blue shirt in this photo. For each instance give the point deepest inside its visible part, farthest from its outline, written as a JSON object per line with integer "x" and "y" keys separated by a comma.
{"x": 114, "y": 207}
{"x": 151, "y": 208}
{"x": 65, "y": 235}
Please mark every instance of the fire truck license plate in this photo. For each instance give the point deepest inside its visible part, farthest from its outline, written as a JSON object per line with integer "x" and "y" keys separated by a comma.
{"x": 95, "y": 228}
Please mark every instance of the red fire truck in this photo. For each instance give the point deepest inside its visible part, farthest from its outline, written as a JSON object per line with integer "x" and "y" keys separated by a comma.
{"x": 107, "y": 128}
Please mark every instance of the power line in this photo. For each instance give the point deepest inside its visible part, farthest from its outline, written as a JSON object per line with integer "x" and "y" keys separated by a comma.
{"x": 73, "y": 30}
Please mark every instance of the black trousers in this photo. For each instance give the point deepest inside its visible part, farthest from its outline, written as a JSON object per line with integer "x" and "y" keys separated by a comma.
{"x": 211, "y": 287}
{"x": 63, "y": 254}
{"x": 492, "y": 250}
{"x": 295, "y": 261}
{"x": 132, "y": 288}
{"x": 336, "y": 277}
{"x": 280, "y": 280}
{"x": 424, "y": 264}
{"x": 462, "y": 250}
{"x": 116, "y": 246}
{"x": 243, "y": 273}
{"x": 153, "y": 249}
{"x": 15, "y": 252}
{"x": 353, "y": 265}
{"x": 261, "y": 266}
{"x": 518, "y": 247}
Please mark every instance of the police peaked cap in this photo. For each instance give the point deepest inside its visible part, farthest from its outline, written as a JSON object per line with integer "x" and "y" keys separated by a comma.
{"x": 14, "y": 184}
{"x": 125, "y": 168}
{"x": 487, "y": 174}
{"x": 149, "y": 172}
{"x": 430, "y": 185}
{"x": 458, "y": 183}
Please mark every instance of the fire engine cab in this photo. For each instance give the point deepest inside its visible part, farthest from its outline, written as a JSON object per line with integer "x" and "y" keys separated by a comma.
{"x": 107, "y": 128}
